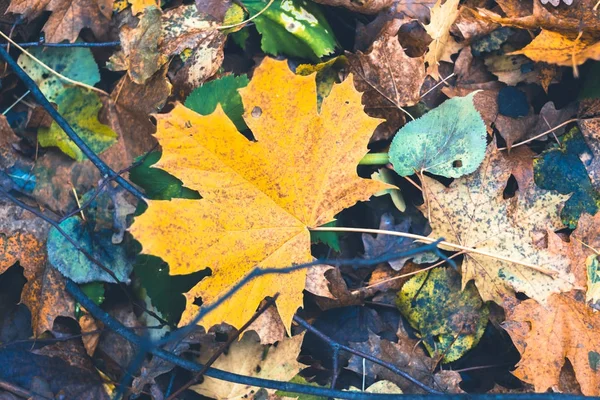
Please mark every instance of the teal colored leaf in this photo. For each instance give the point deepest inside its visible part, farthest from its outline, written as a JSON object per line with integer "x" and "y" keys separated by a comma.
{"x": 561, "y": 169}
{"x": 75, "y": 265}
{"x": 330, "y": 239}
{"x": 450, "y": 320}
{"x": 76, "y": 63}
{"x": 449, "y": 140}
{"x": 157, "y": 183}
{"x": 80, "y": 108}
{"x": 295, "y": 28}
{"x": 222, "y": 91}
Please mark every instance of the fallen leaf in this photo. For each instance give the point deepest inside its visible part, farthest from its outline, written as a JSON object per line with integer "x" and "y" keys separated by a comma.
{"x": 512, "y": 69}
{"x": 556, "y": 48}
{"x": 328, "y": 73}
{"x": 317, "y": 283}
{"x": 223, "y": 91}
{"x": 450, "y": 321}
{"x": 127, "y": 112}
{"x": 589, "y": 129}
{"x": 567, "y": 323}
{"x": 294, "y": 28}
{"x": 448, "y": 141}
{"x": 77, "y": 267}
{"x": 68, "y": 16}
{"x": 383, "y": 245}
{"x": 363, "y": 7}
{"x": 389, "y": 80}
{"x": 215, "y": 8}
{"x": 443, "y": 45}
{"x": 580, "y": 18}
{"x": 184, "y": 28}
{"x": 80, "y": 108}
{"x": 406, "y": 355}
{"x": 562, "y": 169}
{"x": 275, "y": 210}
{"x": 76, "y": 63}
{"x": 139, "y": 54}
{"x": 473, "y": 212}
{"x": 249, "y": 358}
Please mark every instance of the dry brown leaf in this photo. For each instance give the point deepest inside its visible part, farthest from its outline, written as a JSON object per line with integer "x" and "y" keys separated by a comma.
{"x": 90, "y": 340}
{"x": 268, "y": 326}
{"x": 249, "y": 358}
{"x": 443, "y": 45}
{"x": 139, "y": 54}
{"x": 473, "y": 212}
{"x": 581, "y": 17}
{"x": 571, "y": 327}
{"x": 406, "y": 355}
{"x": 317, "y": 283}
{"x": 389, "y": 80}
{"x": 68, "y": 16}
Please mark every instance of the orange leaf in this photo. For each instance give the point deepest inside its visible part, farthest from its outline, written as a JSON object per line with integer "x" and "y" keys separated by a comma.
{"x": 547, "y": 335}
{"x": 259, "y": 198}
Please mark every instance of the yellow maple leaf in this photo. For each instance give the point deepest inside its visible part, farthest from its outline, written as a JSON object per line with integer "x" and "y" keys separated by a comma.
{"x": 443, "y": 45}
{"x": 473, "y": 212}
{"x": 258, "y": 198}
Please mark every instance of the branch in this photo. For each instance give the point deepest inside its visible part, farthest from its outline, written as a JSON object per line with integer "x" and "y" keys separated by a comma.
{"x": 126, "y": 333}
{"x": 104, "y": 169}
{"x": 42, "y": 43}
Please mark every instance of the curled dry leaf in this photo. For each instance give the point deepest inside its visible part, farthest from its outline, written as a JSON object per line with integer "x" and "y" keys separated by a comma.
{"x": 252, "y": 200}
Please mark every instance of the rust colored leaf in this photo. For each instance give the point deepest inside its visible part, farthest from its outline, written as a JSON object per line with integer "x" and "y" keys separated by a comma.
{"x": 258, "y": 198}
{"x": 571, "y": 327}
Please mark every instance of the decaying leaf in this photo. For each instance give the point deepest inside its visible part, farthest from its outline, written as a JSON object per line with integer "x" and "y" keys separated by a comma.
{"x": 473, "y": 212}
{"x": 571, "y": 327}
{"x": 260, "y": 181}
{"x": 389, "y": 80}
{"x": 139, "y": 54}
{"x": 249, "y": 358}
{"x": 406, "y": 355}
{"x": 450, "y": 321}
{"x": 443, "y": 45}
{"x": 75, "y": 63}
{"x": 448, "y": 141}
{"x": 68, "y": 16}
{"x": 80, "y": 108}
{"x": 383, "y": 245}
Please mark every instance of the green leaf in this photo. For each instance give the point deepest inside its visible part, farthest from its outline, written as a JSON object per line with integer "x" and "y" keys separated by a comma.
{"x": 330, "y": 239}
{"x": 157, "y": 183}
{"x": 222, "y": 91}
{"x": 80, "y": 108}
{"x": 295, "y": 28}
{"x": 165, "y": 291}
{"x": 75, "y": 265}
{"x": 94, "y": 291}
{"x": 449, "y": 140}
{"x": 301, "y": 381}
{"x": 76, "y": 63}
{"x": 451, "y": 321}
{"x": 561, "y": 169}
{"x": 593, "y": 279}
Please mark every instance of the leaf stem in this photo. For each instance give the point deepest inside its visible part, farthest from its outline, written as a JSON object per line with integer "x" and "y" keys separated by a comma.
{"x": 426, "y": 239}
{"x": 375, "y": 159}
